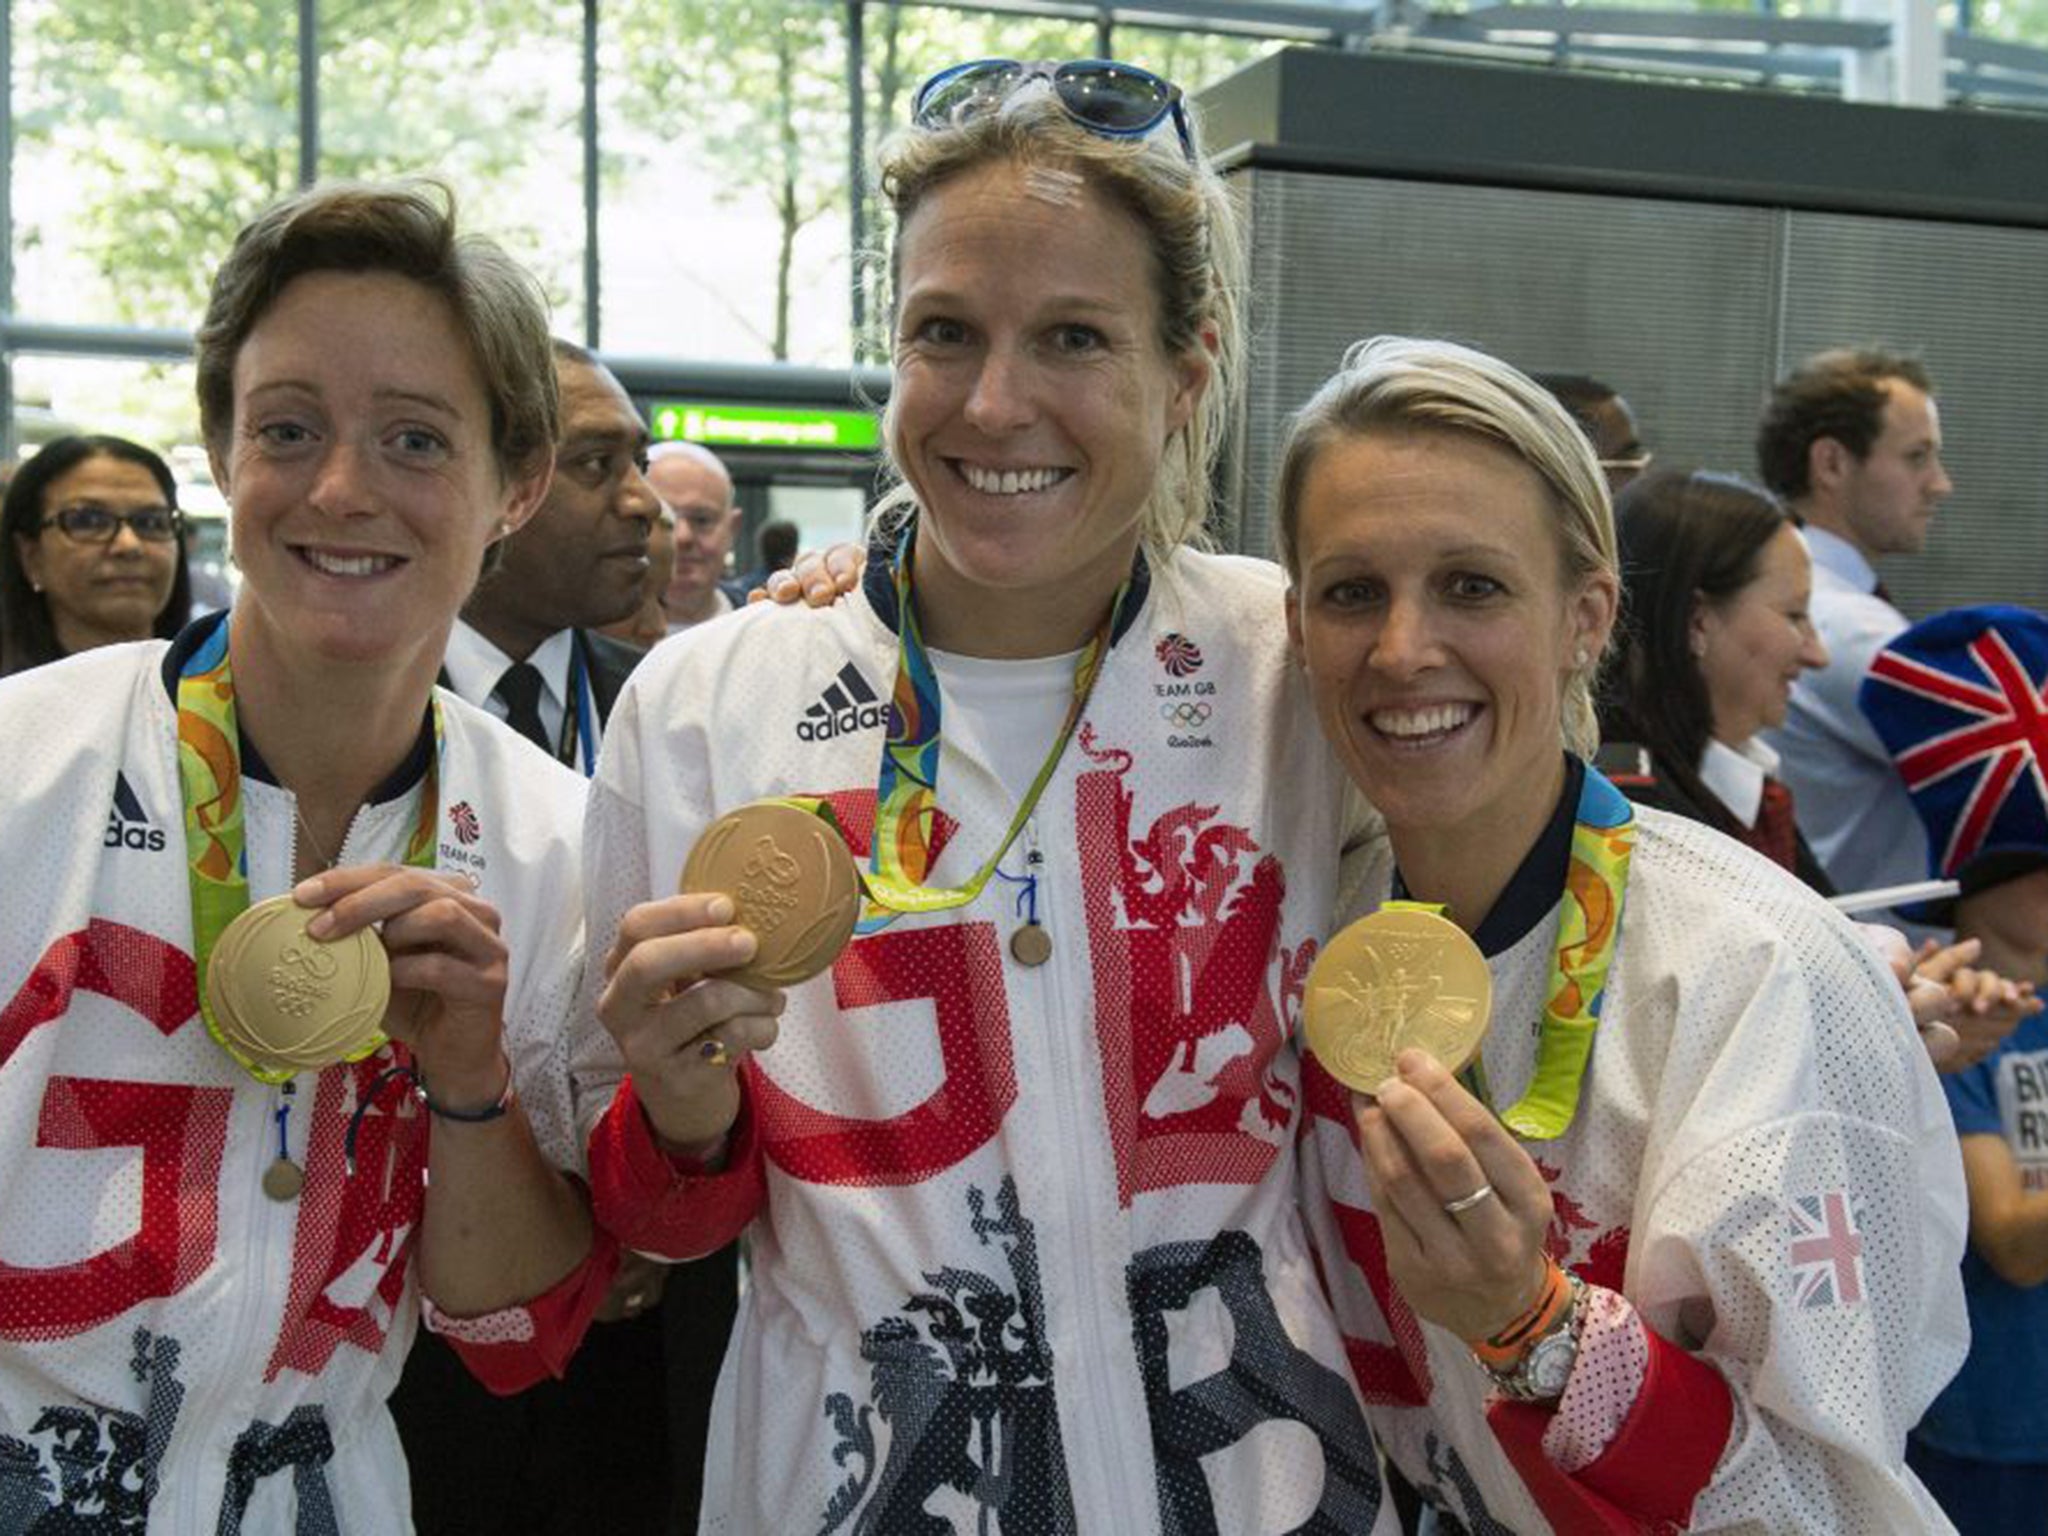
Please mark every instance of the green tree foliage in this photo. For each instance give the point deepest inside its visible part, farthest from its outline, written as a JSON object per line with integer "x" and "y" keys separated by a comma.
{"x": 172, "y": 122}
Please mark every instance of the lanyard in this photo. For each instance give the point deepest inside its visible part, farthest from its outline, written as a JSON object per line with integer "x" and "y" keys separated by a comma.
{"x": 1603, "y": 840}
{"x": 579, "y": 725}
{"x": 210, "y": 776}
{"x": 906, "y": 790}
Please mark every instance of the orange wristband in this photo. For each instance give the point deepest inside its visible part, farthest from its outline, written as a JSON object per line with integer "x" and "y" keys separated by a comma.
{"x": 1503, "y": 1349}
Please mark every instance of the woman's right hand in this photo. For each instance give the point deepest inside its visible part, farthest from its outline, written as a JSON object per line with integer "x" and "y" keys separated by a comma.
{"x": 683, "y": 1032}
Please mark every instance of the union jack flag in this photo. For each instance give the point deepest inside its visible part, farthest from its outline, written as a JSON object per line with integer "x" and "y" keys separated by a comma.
{"x": 1967, "y": 725}
{"x": 1826, "y": 1251}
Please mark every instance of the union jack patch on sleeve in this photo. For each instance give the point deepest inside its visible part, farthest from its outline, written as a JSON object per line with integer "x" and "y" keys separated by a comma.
{"x": 1826, "y": 1251}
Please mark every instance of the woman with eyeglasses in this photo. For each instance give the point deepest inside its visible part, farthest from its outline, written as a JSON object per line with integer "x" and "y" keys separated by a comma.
{"x": 90, "y": 551}
{"x": 1678, "y": 1250}
{"x": 243, "y": 1138}
{"x": 1018, "y": 1174}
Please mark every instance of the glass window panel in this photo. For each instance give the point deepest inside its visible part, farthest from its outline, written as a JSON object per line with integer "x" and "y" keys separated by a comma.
{"x": 485, "y": 97}
{"x": 1191, "y": 60}
{"x": 145, "y": 136}
{"x": 724, "y": 218}
{"x": 2015, "y": 21}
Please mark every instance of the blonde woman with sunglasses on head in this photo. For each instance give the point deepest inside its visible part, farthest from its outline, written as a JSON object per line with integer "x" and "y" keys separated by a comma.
{"x": 1018, "y": 1174}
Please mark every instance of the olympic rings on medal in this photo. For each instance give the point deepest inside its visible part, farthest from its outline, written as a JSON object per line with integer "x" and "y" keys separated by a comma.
{"x": 1187, "y": 712}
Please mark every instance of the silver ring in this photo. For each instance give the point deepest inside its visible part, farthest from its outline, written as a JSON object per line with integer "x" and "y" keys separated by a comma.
{"x": 713, "y": 1051}
{"x": 1478, "y": 1196}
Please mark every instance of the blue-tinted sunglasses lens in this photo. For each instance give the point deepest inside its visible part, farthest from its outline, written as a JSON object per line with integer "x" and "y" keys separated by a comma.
{"x": 964, "y": 90}
{"x": 1113, "y": 98}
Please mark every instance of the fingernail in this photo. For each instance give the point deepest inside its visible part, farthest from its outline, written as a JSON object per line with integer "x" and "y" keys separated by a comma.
{"x": 307, "y": 892}
{"x": 743, "y": 944}
{"x": 720, "y": 910}
{"x": 1392, "y": 1082}
{"x": 322, "y": 924}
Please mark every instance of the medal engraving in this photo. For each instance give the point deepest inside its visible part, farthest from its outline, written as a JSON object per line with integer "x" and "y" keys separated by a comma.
{"x": 793, "y": 886}
{"x": 288, "y": 1002}
{"x": 1394, "y": 980}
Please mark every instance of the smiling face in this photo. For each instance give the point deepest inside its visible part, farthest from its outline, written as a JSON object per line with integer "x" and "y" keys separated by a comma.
{"x": 1032, "y": 404}
{"x": 101, "y": 593}
{"x": 1433, "y": 620}
{"x": 1753, "y": 645}
{"x": 361, "y": 472}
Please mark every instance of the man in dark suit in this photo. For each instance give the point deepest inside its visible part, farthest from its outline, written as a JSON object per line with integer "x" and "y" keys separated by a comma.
{"x": 524, "y": 647}
{"x": 617, "y": 1446}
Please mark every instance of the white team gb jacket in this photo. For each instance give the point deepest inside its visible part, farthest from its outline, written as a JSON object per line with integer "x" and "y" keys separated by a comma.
{"x": 1030, "y": 1258}
{"x": 178, "y": 1352}
{"x": 1762, "y": 1176}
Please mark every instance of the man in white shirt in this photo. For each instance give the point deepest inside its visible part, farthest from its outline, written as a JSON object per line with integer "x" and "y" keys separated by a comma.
{"x": 696, "y": 487}
{"x": 1851, "y": 440}
{"x": 523, "y": 648}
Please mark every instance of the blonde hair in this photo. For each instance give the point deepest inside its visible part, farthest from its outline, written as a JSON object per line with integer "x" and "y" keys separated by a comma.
{"x": 1396, "y": 383}
{"x": 1188, "y": 222}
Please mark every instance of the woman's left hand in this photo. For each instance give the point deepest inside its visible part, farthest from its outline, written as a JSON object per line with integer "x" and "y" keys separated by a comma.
{"x": 448, "y": 968}
{"x": 1429, "y": 1143}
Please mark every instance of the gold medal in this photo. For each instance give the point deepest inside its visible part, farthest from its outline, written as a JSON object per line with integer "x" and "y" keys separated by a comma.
{"x": 283, "y": 1180}
{"x": 287, "y": 1002}
{"x": 793, "y": 885}
{"x": 1031, "y": 945}
{"x": 1398, "y": 978}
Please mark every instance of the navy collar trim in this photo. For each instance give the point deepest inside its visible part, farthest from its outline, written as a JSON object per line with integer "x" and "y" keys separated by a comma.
{"x": 1534, "y": 889}
{"x": 878, "y": 582}
{"x": 397, "y": 783}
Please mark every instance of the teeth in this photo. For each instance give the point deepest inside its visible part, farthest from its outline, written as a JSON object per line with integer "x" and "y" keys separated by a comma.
{"x": 1421, "y": 722}
{"x": 1010, "y": 482}
{"x": 348, "y": 565}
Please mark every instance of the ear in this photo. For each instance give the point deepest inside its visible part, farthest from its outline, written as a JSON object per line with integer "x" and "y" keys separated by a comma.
{"x": 524, "y": 493}
{"x": 1593, "y": 612}
{"x": 1699, "y": 625}
{"x": 1828, "y": 461}
{"x": 1192, "y": 372}
{"x": 30, "y": 553}
{"x": 1294, "y": 643}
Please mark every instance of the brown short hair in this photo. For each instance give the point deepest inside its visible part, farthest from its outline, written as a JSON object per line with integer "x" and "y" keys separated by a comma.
{"x": 1838, "y": 394}
{"x": 406, "y": 228}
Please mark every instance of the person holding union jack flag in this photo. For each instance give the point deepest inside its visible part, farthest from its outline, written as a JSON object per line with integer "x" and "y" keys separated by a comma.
{"x": 1959, "y": 700}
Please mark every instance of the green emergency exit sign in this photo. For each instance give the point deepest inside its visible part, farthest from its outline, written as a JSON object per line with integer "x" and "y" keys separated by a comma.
{"x": 764, "y": 426}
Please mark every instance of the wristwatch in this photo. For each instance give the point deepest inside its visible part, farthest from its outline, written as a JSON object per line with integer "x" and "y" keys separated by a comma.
{"x": 1539, "y": 1376}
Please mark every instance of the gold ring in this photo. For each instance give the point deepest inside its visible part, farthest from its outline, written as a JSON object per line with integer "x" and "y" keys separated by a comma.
{"x": 712, "y": 1050}
{"x": 1478, "y": 1196}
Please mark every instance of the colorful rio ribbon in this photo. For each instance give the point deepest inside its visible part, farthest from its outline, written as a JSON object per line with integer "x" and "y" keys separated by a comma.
{"x": 210, "y": 775}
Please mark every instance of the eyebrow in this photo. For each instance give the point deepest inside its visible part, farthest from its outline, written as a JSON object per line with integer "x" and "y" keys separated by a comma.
{"x": 431, "y": 401}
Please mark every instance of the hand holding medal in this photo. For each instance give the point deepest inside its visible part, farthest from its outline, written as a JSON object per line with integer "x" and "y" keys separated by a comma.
{"x": 448, "y": 967}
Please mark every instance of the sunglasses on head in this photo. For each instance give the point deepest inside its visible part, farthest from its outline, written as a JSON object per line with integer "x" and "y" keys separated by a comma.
{"x": 1118, "y": 101}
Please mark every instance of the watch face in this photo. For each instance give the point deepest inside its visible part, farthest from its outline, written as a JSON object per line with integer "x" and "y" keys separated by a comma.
{"x": 1550, "y": 1364}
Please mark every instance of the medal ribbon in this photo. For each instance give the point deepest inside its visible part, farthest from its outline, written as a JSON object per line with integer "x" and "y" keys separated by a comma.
{"x": 210, "y": 775}
{"x": 906, "y": 791}
{"x": 1603, "y": 841}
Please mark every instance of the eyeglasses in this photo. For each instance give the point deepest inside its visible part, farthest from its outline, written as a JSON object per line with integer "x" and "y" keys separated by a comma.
{"x": 87, "y": 522}
{"x": 1118, "y": 101}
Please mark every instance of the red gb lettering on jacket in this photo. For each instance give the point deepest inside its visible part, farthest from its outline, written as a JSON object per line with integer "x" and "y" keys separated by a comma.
{"x": 355, "y": 1231}
{"x": 1183, "y": 930}
{"x": 959, "y": 969}
{"x": 179, "y": 1129}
